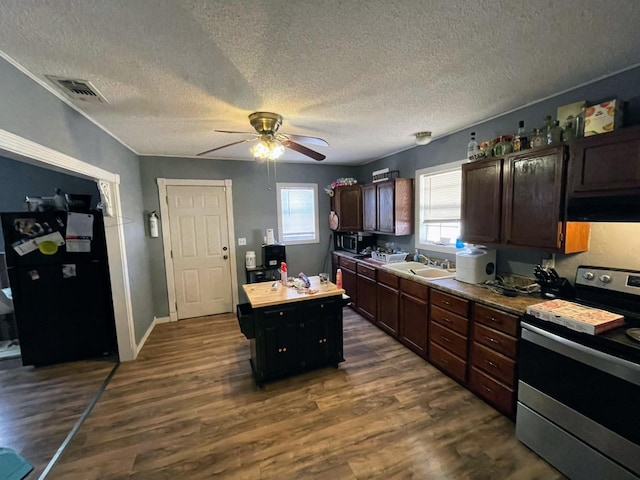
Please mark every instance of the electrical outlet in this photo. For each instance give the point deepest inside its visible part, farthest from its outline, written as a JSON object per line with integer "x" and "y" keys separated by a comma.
{"x": 242, "y": 241}
{"x": 549, "y": 262}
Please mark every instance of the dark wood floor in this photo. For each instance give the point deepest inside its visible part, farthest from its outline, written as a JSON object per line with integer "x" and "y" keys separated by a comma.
{"x": 188, "y": 408}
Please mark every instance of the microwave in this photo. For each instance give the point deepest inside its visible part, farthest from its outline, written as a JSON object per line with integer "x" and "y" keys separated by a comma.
{"x": 353, "y": 242}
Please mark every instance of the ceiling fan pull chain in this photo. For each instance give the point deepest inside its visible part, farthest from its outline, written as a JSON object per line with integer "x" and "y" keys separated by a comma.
{"x": 268, "y": 175}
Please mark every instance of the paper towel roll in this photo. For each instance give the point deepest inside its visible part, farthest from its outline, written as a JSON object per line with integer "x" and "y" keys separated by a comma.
{"x": 270, "y": 238}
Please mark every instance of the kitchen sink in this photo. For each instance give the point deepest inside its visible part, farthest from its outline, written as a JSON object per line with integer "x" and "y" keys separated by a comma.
{"x": 433, "y": 273}
{"x": 420, "y": 269}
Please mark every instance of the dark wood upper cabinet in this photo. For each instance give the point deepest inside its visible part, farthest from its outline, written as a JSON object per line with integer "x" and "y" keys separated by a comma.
{"x": 482, "y": 201}
{"x": 606, "y": 164}
{"x": 347, "y": 203}
{"x": 388, "y": 207}
{"x": 519, "y": 200}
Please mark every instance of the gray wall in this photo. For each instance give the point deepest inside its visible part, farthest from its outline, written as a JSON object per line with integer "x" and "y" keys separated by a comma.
{"x": 21, "y": 179}
{"x": 28, "y": 110}
{"x": 254, "y": 209}
{"x": 610, "y": 245}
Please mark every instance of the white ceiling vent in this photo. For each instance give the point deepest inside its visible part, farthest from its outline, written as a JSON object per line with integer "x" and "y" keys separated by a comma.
{"x": 78, "y": 89}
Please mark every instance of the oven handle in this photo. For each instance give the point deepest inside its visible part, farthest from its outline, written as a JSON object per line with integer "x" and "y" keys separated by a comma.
{"x": 619, "y": 367}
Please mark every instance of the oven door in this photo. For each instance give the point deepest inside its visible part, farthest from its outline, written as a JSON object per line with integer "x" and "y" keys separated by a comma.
{"x": 575, "y": 401}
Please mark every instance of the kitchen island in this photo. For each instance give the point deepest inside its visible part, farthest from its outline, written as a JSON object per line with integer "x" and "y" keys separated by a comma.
{"x": 290, "y": 331}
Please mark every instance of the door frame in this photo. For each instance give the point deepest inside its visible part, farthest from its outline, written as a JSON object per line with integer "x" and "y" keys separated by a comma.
{"x": 166, "y": 235}
{"x": 23, "y": 150}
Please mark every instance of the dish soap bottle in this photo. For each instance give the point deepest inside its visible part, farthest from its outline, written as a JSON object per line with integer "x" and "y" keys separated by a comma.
{"x": 416, "y": 256}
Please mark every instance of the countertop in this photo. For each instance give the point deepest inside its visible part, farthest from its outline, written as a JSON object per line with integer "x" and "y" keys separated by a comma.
{"x": 477, "y": 293}
{"x": 261, "y": 294}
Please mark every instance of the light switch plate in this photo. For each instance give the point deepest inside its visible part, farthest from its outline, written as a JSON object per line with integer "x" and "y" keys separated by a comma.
{"x": 242, "y": 241}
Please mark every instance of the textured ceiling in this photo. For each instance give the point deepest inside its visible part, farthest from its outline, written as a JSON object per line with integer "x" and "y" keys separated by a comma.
{"x": 364, "y": 75}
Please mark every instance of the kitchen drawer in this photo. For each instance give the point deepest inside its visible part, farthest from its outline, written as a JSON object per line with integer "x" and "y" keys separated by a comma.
{"x": 414, "y": 289}
{"x": 366, "y": 270}
{"x": 498, "y": 395}
{"x": 505, "y": 322}
{"x": 494, "y": 364}
{"x": 449, "y": 320}
{"x": 347, "y": 262}
{"x": 448, "y": 339}
{"x": 452, "y": 365}
{"x": 495, "y": 340}
{"x": 453, "y": 304}
{"x": 388, "y": 279}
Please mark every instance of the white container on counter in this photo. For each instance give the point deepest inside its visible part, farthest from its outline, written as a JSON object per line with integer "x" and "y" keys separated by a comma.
{"x": 250, "y": 259}
{"x": 475, "y": 265}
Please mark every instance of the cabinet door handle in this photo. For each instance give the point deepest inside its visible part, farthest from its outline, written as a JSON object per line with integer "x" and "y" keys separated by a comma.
{"x": 445, "y": 339}
{"x": 284, "y": 349}
{"x": 492, "y": 340}
{"x": 279, "y": 350}
{"x": 281, "y": 313}
{"x": 491, "y": 363}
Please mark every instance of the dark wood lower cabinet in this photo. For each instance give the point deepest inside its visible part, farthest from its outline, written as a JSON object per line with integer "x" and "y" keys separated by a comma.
{"x": 388, "y": 305}
{"x": 367, "y": 289}
{"x": 413, "y": 316}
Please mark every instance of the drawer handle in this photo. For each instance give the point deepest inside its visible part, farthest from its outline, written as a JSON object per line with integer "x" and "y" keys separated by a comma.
{"x": 446, "y": 319}
{"x": 446, "y": 302}
{"x": 446, "y": 362}
{"x": 279, "y": 350}
{"x": 281, "y": 313}
{"x": 493, "y": 319}
{"x": 492, "y": 340}
{"x": 487, "y": 389}
{"x": 284, "y": 349}
{"x": 445, "y": 339}
{"x": 491, "y": 363}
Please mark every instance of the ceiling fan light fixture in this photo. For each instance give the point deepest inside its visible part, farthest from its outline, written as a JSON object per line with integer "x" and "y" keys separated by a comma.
{"x": 423, "y": 138}
{"x": 268, "y": 148}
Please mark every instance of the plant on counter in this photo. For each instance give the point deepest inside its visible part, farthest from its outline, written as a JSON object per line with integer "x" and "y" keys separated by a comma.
{"x": 339, "y": 183}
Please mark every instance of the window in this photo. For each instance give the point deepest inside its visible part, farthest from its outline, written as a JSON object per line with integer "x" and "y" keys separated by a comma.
{"x": 438, "y": 197}
{"x": 298, "y": 213}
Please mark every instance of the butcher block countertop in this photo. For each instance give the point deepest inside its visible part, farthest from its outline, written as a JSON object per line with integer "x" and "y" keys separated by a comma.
{"x": 261, "y": 294}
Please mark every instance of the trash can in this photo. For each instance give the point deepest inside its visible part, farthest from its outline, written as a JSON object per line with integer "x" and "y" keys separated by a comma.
{"x": 245, "y": 319}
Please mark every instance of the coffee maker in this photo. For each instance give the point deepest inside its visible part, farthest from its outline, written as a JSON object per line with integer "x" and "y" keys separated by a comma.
{"x": 273, "y": 255}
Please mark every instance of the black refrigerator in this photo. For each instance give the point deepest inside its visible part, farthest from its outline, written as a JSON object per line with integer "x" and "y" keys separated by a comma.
{"x": 59, "y": 277}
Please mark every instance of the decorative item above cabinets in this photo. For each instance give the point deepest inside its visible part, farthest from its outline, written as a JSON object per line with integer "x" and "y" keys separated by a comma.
{"x": 518, "y": 201}
{"x": 388, "y": 207}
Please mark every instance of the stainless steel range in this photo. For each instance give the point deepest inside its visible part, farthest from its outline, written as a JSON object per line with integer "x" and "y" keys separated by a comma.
{"x": 579, "y": 394}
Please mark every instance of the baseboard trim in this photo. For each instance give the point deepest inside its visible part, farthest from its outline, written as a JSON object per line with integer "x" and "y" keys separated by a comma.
{"x": 156, "y": 321}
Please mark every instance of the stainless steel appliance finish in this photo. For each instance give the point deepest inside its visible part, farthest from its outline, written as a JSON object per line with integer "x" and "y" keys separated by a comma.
{"x": 578, "y": 394}
{"x": 353, "y": 242}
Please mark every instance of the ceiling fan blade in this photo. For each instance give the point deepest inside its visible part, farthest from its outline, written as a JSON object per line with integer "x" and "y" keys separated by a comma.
{"x": 303, "y": 150}
{"x": 225, "y": 146}
{"x": 233, "y": 131}
{"x": 301, "y": 138}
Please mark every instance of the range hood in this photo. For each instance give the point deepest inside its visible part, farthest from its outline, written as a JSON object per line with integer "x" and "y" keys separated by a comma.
{"x": 611, "y": 208}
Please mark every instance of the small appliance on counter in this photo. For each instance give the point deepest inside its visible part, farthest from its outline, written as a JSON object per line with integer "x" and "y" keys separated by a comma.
{"x": 353, "y": 242}
{"x": 273, "y": 255}
{"x": 475, "y": 265}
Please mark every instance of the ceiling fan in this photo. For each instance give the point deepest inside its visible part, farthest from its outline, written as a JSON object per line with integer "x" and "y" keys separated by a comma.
{"x": 272, "y": 143}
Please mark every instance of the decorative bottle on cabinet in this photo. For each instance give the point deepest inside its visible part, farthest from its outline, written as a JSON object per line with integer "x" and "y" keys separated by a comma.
{"x": 472, "y": 147}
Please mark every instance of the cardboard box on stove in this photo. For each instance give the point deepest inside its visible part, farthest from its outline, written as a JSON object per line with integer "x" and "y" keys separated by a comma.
{"x": 603, "y": 117}
{"x": 576, "y": 317}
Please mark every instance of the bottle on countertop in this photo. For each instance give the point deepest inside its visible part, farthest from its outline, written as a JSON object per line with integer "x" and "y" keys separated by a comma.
{"x": 339, "y": 278}
{"x": 283, "y": 273}
{"x": 416, "y": 256}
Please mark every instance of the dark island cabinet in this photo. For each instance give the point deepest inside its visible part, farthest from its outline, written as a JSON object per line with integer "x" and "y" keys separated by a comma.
{"x": 347, "y": 204}
{"x": 413, "y": 316}
{"x": 296, "y": 337}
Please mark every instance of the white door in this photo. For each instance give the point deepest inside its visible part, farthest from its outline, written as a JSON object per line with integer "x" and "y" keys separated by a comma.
{"x": 200, "y": 250}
